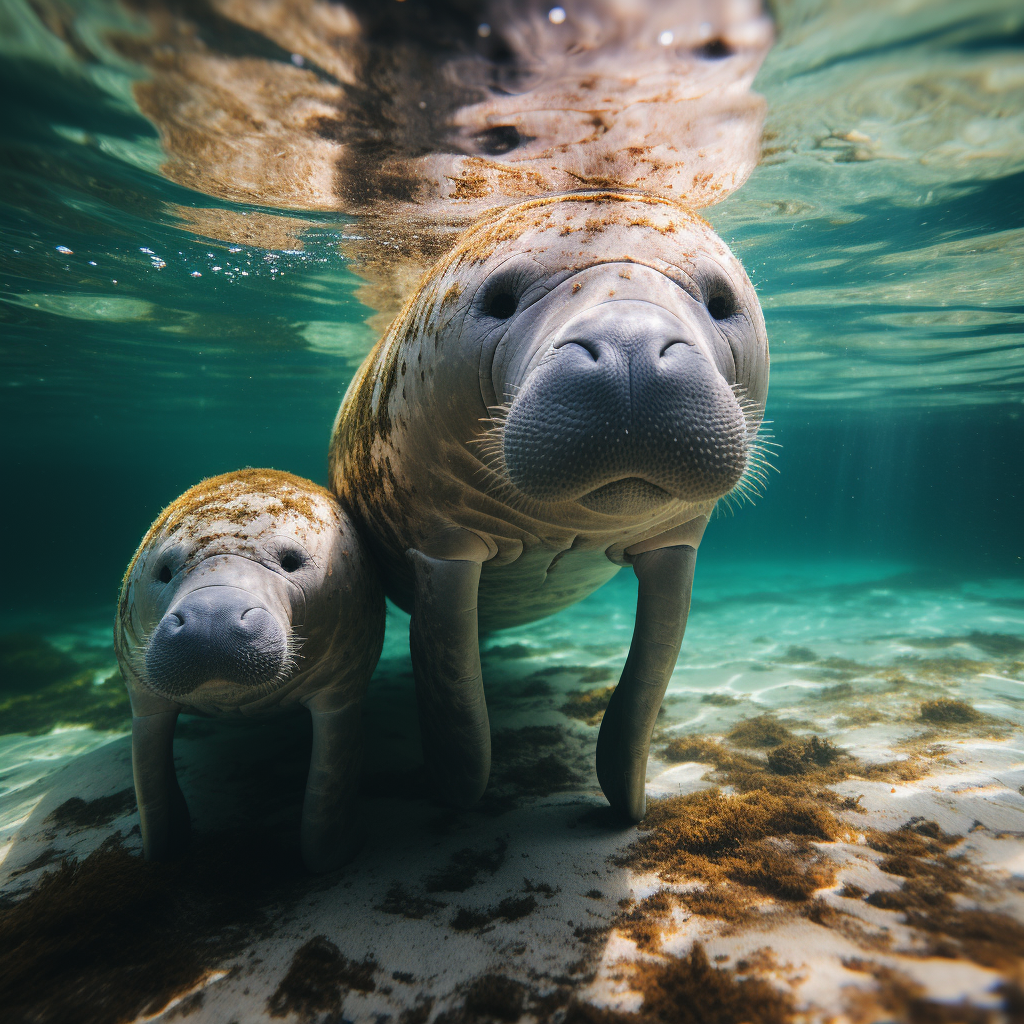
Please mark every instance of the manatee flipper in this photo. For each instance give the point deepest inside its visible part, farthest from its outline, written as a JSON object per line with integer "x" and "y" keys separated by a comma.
{"x": 663, "y": 603}
{"x": 330, "y": 833}
{"x": 445, "y": 647}
{"x": 163, "y": 813}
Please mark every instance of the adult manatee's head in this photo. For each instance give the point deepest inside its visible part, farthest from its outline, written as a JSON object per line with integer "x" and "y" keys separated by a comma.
{"x": 620, "y": 350}
{"x": 249, "y": 584}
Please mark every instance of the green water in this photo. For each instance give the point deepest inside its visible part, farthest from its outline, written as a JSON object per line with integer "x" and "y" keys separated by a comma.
{"x": 884, "y": 231}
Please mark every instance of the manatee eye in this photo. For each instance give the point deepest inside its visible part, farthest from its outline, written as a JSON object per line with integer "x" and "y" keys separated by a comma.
{"x": 165, "y": 574}
{"x": 503, "y": 138}
{"x": 715, "y": 49}
{"x": 291, "y": 560}
{"x": 721, "y": 302}
{"x": 501, "y": 302}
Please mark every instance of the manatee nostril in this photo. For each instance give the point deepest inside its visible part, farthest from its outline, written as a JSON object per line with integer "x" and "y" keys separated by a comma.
{"x": 671, "y": 344}
{"x": 590, "y": 347}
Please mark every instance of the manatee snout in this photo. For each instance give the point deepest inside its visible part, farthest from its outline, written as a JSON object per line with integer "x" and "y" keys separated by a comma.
{"x": 625, "y": 413}
{"x": 215, "y": 633}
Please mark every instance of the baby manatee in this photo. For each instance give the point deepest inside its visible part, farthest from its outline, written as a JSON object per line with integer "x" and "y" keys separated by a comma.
{"x": 249, "y": 595}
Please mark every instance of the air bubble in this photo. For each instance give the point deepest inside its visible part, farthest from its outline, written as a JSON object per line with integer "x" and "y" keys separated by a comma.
{"x": 556, "y": 15}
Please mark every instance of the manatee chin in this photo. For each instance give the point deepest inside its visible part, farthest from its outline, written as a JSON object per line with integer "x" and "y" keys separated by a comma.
{"x": 216, "y": 635}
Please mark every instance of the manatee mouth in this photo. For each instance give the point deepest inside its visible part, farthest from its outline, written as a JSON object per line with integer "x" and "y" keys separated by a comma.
{"x": 631, "y": 495}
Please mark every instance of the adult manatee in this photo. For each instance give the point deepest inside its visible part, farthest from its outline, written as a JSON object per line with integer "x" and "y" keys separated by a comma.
{"x": 570, "y": 391}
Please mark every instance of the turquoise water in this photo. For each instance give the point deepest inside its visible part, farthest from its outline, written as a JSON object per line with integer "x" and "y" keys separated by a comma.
{"x": 884, "y": 232}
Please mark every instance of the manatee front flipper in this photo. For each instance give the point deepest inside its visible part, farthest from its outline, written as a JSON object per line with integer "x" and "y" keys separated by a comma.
{"x": 445, "y": 648}
{"x": 663, "y": 603}
{"x": 330, "y": 834}
{"x": 162, "y": 810}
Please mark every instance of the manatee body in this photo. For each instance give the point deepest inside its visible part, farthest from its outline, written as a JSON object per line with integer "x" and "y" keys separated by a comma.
{"x": 570, "y": 391}
{"x": 249, "y": 595}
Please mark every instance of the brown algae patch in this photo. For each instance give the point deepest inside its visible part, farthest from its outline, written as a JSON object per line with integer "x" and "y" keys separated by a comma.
{"x": 460, "y": 873}
{"x": 691, "y": 990}
{"x": 77, "y": 814}
{"x": 995, "y": 645}
{"x": 932, "y": 897}
{"x": 946, "y": 711}
{"x": 318, "y": 980}
{"x": 792, "y": 766}
{"x": 113, "y": 937}
{"x": 588, "y": 706}
{"x": 405, "y": 904}
{"x": 757, "y": 839}
{"x": 762, "y": 731}
{"x": 508, "y": 910}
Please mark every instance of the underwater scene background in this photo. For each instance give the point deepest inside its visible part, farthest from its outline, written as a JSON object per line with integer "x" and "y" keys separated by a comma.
{"x": 841, "y": 743}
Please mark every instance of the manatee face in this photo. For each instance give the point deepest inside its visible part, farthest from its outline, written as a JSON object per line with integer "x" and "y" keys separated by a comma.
{"x": 627, "y": 379}
{"x": 236, "y": 591}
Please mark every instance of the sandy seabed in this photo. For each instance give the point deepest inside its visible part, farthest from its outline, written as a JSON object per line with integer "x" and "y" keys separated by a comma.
{"x": 835, "y": 830}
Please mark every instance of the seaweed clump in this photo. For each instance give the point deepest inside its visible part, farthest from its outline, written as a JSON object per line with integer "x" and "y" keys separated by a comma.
{"x": 793, "y": 766}
{"x": 588, "y": 705}
{"x": 399, "y": 902}
{"x": 690, "y": 990}
{"x": 495, "y": 996}
{"x": 919, "y": 853}
{"x": 758, "y": 839}
{"x": 42, "y": 687}
{"x": 898, "y": 997}
{"x": 463, "y": 866}
{"x": 946, "y": 711}
{"x": 113, "y": 937}
{"x": 318, "y": 979}
{"x": 508, "y": 910}
{"x": 77, "y": 814}
{"x": 528, "y": 761}
{"x": 762, "y": 731}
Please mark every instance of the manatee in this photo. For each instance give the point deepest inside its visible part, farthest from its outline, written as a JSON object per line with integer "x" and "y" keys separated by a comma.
{"x": 251, "y": 594}
{"x": 569, "y": 392}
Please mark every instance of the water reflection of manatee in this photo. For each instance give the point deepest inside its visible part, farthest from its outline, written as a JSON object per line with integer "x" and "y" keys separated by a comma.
{"x": 419, "y": 118}
{"x": 569, "y": 392}
{"x": 250, "y": 594}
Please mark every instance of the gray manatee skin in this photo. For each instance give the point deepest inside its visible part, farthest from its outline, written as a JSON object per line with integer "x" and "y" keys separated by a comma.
{"x": 250, "y": 595}
{"x": 570, "y": 391}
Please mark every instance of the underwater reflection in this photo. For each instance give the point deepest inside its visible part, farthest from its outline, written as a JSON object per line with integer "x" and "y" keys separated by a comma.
{"x": 417, "y": 119}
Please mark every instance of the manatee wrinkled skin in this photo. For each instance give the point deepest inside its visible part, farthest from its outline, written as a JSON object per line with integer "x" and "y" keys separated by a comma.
{"x": 570, "y": 391}
{"x": 249, "y": 595}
